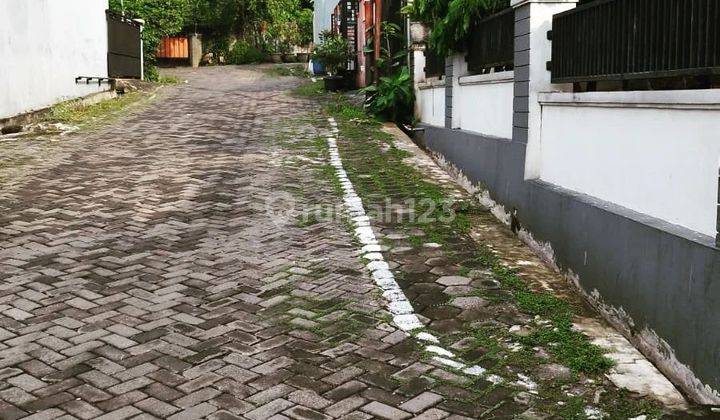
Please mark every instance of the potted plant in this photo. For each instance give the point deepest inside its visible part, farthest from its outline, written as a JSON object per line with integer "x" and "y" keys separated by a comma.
{"x": 303, "y": 56}
{"x": 275, "y": 54}
{"x": 318, "y": 67}
{"x": 418, "y": 11}
{"x": 418, "y": 32}
{"x": 283, "y": 49}
{"x": 334, "y": 53}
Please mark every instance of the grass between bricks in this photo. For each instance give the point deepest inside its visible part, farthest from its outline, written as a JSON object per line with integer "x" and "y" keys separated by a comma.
{"x": 377, "y": 169}
{"x": 282, "y": 71}
{"x": 73, "y": 112}
{"x": 386, "y": 171}
{"x": 571, "y": 347}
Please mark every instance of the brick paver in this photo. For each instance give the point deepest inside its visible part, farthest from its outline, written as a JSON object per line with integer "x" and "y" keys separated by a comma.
{"x": 142, "y": 276}
{"x": 151, "y": 269}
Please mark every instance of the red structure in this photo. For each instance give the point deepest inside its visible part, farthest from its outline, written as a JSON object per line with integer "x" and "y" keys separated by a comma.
{"x": 359, "y": 22}
{"x": 173, "y": 47}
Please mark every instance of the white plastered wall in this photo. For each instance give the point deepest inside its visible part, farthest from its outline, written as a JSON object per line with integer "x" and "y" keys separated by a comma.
{"x": 652, "y": 152}
{"x": 484, "y": 104}
{"x": 430, "y": 103}
{"x": 44, "y": 45}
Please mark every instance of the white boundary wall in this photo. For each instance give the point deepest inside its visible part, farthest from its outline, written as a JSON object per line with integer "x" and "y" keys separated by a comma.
{"x": 429, "y": 93}
{"x": 484, "y": 104}
{"x": 430, "y": 102}
{"x": 322, "y": 12}
{"x": 44, "y": 45}
{"x": 653, "y": 152}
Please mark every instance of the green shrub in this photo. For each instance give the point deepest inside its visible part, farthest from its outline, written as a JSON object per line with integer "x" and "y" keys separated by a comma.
{"x": 392, "y": 97}
{"x": 451, "y": 21}
{"x": 151, "y": 73}
{"x": 218, "y": 46}
{"x": 333, "y": 51}
{"x": 244, "y": 53}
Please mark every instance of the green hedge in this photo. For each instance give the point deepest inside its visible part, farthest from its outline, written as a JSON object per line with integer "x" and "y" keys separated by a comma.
{"x": 244, "y": 53}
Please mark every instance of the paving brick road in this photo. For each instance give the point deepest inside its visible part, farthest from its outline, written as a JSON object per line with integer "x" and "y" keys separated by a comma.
{"x": 149, "y": 269}
{"x": 141, "y": 275}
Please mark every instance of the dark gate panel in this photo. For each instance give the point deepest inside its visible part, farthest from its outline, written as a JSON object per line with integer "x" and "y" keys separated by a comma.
{"x": 636, "y": 39}
{"x": 124, "y": 53}
{"x": 348, "y": 28}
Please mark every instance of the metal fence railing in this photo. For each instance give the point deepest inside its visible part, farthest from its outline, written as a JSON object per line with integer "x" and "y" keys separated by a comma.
{"x": 636, "y": 39}
{"x": 491, "y": 44}
{"x": 434, "y": 63}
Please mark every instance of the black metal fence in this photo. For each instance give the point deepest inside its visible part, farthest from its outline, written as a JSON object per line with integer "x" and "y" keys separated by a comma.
{"x": 636, "y": 39}
{"x": 124, "y": 51}
{"x": 491, "y": 44}
{"x": 434, "y": 63}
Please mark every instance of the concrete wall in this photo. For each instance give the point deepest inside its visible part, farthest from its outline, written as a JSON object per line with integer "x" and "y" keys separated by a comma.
{"x": 658, "y": 281}
{"x": 322, "y": 12}
{"x": 430, "y": 102}
{"x": 653, "y": 152}
{"x": 620, "y": 189}
{"x": 485, "y": 104}
{"x": 44, "y": 45}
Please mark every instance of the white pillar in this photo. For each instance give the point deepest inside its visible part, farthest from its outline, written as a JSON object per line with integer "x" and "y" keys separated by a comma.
{"x": 533, "y": 21}
{"x": 418, "y": 72}
{"x": 459, "y": 70}
{"x": 142, "y": 51}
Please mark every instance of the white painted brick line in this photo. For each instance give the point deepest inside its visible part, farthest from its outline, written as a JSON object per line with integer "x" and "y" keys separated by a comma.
{"x": 474, "y": 370}
{"x": 449, "y": 362}
{"x": 440, "y": 351}
{"x": 427, "y": 337}
{"x": 372, "y": 256}
{"x": 398, "y": 304}
{"x": 526, "y": 382}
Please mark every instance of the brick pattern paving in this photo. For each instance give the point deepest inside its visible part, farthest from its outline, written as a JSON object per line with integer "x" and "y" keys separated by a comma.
{"x": 142, "y": 277}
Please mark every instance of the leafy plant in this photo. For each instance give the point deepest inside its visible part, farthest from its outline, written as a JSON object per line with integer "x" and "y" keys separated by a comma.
{"x": 392, "y": 97}
{"x": 426, "y": 11}
{"x": 223, "y": 18}
{"x": 289, "y": 23}
{"x": 333, "y": 51}
{"x": 451, "y": 21}
{"x": 219, "y": 46}
{"x": 244, "y": 53}
{"x": 305, "y": 26}
{"x": 389, "y": 61}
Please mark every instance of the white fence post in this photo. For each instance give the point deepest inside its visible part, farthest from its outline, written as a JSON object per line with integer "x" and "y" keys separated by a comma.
{"x": 142, "y": 51}
{"x": 417, "y": 49}
{"x": 533, "y": 20}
